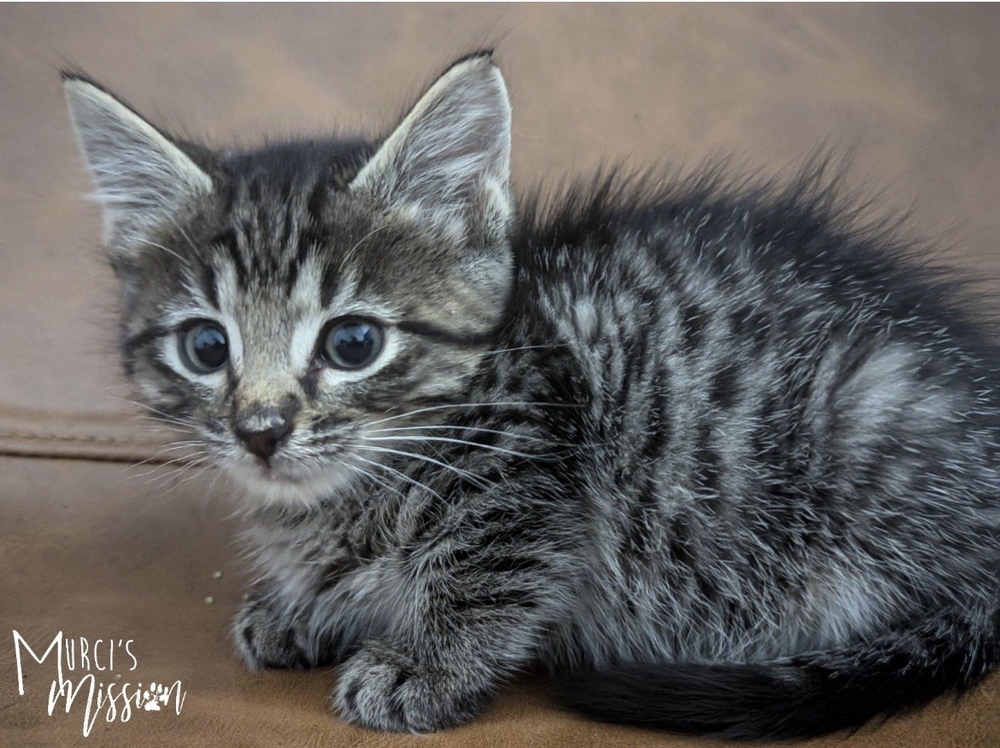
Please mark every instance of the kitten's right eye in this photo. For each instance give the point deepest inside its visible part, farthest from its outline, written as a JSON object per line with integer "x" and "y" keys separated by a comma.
{"x": 352, "y": 343}
{"x": 204, "y": 347}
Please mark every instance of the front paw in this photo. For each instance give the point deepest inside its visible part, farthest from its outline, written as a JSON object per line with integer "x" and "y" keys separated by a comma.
{"x": 384, "y": 689}
{"x": 266, "y": 637}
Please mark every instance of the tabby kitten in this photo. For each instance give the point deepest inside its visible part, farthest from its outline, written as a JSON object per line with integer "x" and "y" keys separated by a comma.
{"x": 721, "y": 460}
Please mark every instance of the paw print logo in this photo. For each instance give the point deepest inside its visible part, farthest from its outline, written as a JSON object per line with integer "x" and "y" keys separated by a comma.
{"x": 156, "y": 694}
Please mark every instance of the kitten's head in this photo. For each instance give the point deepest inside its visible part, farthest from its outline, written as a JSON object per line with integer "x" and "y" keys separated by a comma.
{"x": 282, "y": 302}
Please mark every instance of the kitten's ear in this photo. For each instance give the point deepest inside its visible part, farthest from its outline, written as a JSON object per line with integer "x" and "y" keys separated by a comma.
{"x": 452, "y": 151}
{"x": 142, "y": 178}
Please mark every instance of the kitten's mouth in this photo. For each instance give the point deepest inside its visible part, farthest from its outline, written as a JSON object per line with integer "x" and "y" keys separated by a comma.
{"x": 272, "y": 473}
{"x": 283, "y": 481}
{"x": 269, "y": 473}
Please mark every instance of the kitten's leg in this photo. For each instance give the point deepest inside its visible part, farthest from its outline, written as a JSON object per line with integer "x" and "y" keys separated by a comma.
{"x": 266, "y": 635}
{"x": 302, "y": 559}
{"x": 402, "y": 686}
{"x": 467, "y": 613}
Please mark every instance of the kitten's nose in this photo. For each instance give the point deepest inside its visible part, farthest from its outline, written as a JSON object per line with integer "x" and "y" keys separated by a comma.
{"x": 263, "y": 436}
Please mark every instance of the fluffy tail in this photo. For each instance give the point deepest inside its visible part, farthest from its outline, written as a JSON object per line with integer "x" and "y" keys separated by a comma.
{"x": 799, "y": 697}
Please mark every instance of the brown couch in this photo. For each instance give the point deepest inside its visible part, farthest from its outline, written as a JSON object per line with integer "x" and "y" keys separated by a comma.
{"x": 96, "y": 548}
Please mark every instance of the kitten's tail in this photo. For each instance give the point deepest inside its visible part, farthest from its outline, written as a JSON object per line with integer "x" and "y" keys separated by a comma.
{"x": 799, "y": 697}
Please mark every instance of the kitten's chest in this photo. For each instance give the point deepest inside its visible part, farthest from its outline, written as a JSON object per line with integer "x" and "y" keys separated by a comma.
{"x": 311, "y": 552}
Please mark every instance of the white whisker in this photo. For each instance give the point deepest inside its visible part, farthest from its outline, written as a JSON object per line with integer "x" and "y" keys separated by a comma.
{"x": 402, "y": 475}
{"x": 374, "y": 478}
{"x": 418, "y": 439}
{"x": 172, "y": 447}
{"x": 477, "y": 429}
{"x": 161, "y": 466}
{"x": 469, "y": 476}
{"x": 524, "y": 348}
{"x": 169, "y": 251}
{"x": 471, "y": 405}
{"x": 365, "y": 238}
{"x": 181, "y": 464}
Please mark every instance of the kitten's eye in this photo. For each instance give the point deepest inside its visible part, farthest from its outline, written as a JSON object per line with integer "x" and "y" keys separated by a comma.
{"x": 352, "y": 343}
{"x": 204, "y": 347}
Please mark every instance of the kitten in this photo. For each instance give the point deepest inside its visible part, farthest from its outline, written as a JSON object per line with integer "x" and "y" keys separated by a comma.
{"x": 721, "y": 461}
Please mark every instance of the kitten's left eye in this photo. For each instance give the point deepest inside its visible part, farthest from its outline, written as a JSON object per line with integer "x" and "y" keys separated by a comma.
{"x": 352, "y": 343}
{"x": 204, "y": 347}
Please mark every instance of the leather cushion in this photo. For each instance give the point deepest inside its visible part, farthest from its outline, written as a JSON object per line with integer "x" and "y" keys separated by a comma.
{"x": 97, "y": 549}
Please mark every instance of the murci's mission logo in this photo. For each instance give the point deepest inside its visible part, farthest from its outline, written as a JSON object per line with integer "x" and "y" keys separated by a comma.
{"x": 90, "y": 678}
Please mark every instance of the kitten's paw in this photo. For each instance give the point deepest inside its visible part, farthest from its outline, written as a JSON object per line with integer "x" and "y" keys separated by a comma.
{"x": 383, "y": 689}
{"x": 266, "y": 638}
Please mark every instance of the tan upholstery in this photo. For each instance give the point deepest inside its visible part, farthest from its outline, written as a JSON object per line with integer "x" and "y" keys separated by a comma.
{"x": 94, "y": 548}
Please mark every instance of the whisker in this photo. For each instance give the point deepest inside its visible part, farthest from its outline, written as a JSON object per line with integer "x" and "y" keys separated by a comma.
{"x": 417, "y": 439}
{"x": 180, "y": 465}
{"x": 366, "y": 237}
{"x": 524, "y": 348}
{"x": 159, "y": 415}
{"x": 177, "y": 423}
{"x": 198, "y": 474}
{"x": 477, "y": 429}
{"x": 177, "y": 480}
{"x": 471, "y": 477}
{"x": 472, "y": 405}
{"x": 170, "y": 252}
{"x": 510, "y": 434}
{"x": 172, "y": 447}
{"x": 160, "y": 466}
{"x": 401, "y": 474}
{"x": 176, "y": 429}
{"x": 184, "y": 235}
{"x": 374, "y": 478}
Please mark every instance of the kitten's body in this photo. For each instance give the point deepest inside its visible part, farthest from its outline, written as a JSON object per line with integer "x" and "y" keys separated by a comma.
{"x": 724, "y": 451}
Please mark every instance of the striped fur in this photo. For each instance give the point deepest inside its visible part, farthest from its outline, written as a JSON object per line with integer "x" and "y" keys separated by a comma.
{"x": 723, "y": 459}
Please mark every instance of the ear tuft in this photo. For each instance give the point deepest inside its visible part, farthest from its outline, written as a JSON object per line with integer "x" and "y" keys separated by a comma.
{"x": 142, "y": 177}
{"x": 486, "y": 54}
{"x": 451, "y": 153}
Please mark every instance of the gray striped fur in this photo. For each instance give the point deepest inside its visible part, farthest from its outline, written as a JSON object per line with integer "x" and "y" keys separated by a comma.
{"x": 654, "y": 422}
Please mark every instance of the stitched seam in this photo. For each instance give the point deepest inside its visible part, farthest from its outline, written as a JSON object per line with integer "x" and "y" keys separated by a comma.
{"x": 79, "y": 456}
{"x": 72, "y": 438}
